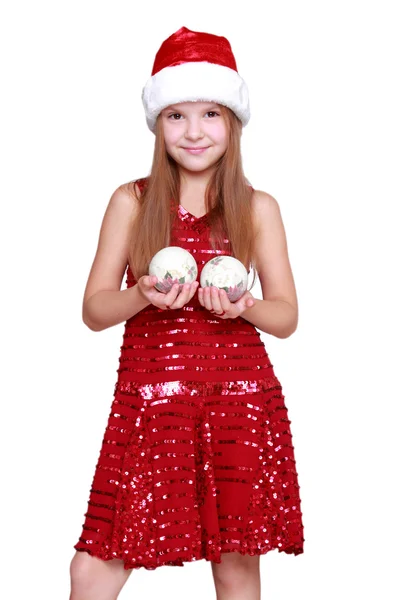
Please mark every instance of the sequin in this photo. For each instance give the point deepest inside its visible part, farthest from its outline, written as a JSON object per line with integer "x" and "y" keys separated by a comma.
{"x": 197, "y": 457}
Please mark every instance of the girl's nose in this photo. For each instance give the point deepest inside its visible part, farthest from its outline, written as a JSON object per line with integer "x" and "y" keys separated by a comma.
{"x": 193, "y": 129}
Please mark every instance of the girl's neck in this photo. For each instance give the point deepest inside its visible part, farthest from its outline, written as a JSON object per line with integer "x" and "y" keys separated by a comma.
{"x": 194, "y": 184}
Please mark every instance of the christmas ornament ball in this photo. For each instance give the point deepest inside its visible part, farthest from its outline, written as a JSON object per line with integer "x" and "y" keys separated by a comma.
{"x": 172, "y": 265}
{"x": 227, "y": 273}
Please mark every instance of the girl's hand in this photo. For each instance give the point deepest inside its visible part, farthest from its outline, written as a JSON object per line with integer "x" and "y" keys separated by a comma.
{"x": 217, "y": 302}
{"x": 174, "y": 299}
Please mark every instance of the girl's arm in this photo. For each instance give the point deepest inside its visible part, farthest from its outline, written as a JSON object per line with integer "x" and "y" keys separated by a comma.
{"x": 104, "y": 303}
{"x": 276, "y": 317}
{"x": 277, "y": 313}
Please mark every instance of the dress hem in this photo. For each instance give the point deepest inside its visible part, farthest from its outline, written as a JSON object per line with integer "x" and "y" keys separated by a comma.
{"x": 180, "y": 562}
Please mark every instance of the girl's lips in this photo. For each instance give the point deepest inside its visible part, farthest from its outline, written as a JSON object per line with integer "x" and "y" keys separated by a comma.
{"x": 195, "y": 150}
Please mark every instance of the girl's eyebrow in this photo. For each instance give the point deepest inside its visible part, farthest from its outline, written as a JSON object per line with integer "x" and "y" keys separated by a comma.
{"x": 177, "y": 109}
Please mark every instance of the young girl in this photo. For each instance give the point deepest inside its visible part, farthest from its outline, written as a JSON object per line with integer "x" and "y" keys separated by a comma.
{"x": 197, "y": 459}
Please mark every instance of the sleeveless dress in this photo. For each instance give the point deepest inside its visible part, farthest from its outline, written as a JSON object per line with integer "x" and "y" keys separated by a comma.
{"x": 197, "y": 457}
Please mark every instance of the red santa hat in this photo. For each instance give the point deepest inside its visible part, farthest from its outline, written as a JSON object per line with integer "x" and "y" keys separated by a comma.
{"x": 195, "y": 66}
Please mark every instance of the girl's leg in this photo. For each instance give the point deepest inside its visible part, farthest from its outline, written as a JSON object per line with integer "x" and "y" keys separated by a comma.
{"x": 237, "y": 577}
{"x": 95, "y": 579}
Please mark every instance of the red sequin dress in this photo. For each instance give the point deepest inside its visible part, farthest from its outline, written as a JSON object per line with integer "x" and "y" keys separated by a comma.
{"x": 197, "y": 457}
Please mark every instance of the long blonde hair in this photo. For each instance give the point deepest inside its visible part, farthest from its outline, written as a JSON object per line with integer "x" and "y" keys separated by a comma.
{"x": 227, "y": 200}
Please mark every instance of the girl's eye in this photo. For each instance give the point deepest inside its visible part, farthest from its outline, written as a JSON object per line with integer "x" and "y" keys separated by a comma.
{"x": 210, "y": 112}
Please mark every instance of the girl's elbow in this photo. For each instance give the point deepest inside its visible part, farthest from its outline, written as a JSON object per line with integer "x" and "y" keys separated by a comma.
{"x": 90, "y": 324}
{"x": 287, "y": 335}
{"x": 290, "y": 331}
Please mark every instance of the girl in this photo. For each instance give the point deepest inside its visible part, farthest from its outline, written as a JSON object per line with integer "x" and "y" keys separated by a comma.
{"x": 197, "y": 458}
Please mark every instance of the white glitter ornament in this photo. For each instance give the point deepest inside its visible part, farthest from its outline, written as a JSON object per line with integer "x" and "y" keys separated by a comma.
{"x": 227, "y": 273}
{"x": 172, "y": 265}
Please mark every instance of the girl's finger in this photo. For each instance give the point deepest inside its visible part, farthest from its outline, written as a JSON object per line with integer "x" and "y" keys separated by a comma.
{"x": 226, "y": 304}
{"x": 170, "y": 297}
{"x": 215, "y": 300}
{"x": 200, "y": 296}
{"x": 147, "y": 281}
{"x": 184, "y": 295}
{"x": 193, "y": 288}
{"x": 207, "y": 298}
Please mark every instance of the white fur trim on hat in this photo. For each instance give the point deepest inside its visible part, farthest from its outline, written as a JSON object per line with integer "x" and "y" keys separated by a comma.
{"x": 195, "y": 81}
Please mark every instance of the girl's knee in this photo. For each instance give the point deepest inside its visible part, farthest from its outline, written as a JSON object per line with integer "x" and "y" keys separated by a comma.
{"x": 235, "y": 569}
{"x": 92, "y": 577}
{"x": 82, "y": 570}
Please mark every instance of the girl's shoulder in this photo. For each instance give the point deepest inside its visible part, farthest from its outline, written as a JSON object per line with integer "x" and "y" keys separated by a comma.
{"x": 134, "y": 187}
{"x": 259, "y": 197}
{"x": 265, "y": 207}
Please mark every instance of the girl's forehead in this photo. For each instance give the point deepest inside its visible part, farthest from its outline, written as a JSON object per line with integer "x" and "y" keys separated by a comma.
{"x": 192, "y": 106}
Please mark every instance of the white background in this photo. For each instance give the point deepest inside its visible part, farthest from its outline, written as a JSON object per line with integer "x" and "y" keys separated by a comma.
{"x": 323, "y": 139}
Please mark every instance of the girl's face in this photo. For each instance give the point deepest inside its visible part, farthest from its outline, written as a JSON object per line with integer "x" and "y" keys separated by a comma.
{"x": 195, "y": 133}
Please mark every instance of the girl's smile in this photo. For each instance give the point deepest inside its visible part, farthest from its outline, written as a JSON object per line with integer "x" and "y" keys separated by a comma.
{"x": 196, "y": 150}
